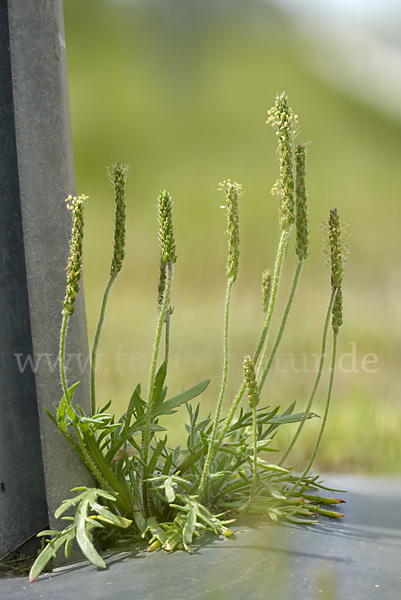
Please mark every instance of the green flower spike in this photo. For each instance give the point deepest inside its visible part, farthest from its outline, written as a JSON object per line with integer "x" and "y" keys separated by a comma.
{"x": 250, "y": 380}
{"x": 283, "y": 119}
{"x": 232, "y": 192}
{"x": 301, "y": 219}
{"x": 166, "y": 231}
{"x": 335, "y": 248}
{"x": 117, "y": 174}
{"x": 337, "y": 310}
{"x": 162, "y": 283}
{"x": 118, "y": 177}
{"x": 266, "y": 289}
{"x": 253, "y": 399}
{"x": 74, "y": 268}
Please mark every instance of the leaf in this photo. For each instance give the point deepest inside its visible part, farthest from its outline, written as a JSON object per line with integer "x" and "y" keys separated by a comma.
{"x": 169, "y": 490}
{"x": 157, "y": 395}
{"x": 50, "y": 414}
{"x": 50, "y": 550}
{"x": 190, "y": 524}
{"x": 66, "y": 504}
{"x": 270, "y": 466}
{"x": 104, "y": 408}
{"x": 167, "y": 407}
{"x": 291, "y": 418}
{"x": 70, "y": 391}
{"x": 62, "y": 407}
{"x": 110, "y": 517}
{"x": 155, "y": 455}
{"x": 83, "y": 535}
{"x": 155, "y": 530}
{"x": 128, "y": 430}
{"x": 167, "y": 464}
{"x": 72, "y": 415}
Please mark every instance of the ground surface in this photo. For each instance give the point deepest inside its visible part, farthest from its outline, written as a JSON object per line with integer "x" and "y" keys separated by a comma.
{"x": 357, "y": 557}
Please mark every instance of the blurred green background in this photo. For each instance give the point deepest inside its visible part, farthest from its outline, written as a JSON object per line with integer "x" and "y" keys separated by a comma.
{"x": 179, "y": 89}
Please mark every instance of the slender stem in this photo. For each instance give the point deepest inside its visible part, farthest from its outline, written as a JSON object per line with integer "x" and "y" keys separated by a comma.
{"x": 278, "y": 267}
{"x": 156, "y": 346}
{"x": 211, "y": 453}
{"x": 63, "y": 333}
{"x": 326, "y": 410}
{"x": 283, "y": 323}
{"x": 167, "y": 337}
{"x": 97, "y": 339}
{"x": 317, "y": 380}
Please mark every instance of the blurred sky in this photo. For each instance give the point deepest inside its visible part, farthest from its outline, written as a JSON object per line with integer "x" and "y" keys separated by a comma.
{"x": 360, "y": 46}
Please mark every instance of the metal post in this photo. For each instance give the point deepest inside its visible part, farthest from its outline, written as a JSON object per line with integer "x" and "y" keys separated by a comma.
{"x": 37, "y": 470}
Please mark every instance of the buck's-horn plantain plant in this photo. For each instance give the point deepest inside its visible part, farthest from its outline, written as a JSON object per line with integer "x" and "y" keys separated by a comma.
{"x": 170, "y": 495}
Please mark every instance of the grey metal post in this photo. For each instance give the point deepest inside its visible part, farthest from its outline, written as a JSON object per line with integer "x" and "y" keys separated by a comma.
{"x": 36, "y": 175}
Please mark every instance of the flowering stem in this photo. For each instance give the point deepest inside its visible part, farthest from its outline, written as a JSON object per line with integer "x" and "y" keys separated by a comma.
{"x": 265, "y": 369}
{"x": 317, "y": 381}
{"x": 97, "y": 339}
{"x": 285, "y": 234}
{"x": 167, "y": 337}
{"x": 211, "y": 449}
{"x": 326, "y": 410}
{"x": 278, "y": 268}
{"x": 255, "y": 455}
{"x": 156, "y": 346}
{"x": 63, "y": 333}
{"x": 118, "y": 174}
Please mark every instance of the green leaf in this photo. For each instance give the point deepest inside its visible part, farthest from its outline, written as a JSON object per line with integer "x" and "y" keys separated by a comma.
{"x": 155, "y": 455}
{"x": 270, "y": 466}
{"x": 293, "y": 418}
{"x": 155, "y": 531}
{"x": 72, "y": 415}
{"x": 50, "y": 551}
{"x": 169, "y": 490}
{"x": 110, "y": 517}
{"x": 128, "y": 430}
{"x": 167, "y": 407}
{"x": 158, "y": 395}
{"x": 66, "y": 504}
{"x": 83, "y": 535}
{"x": 167, "y": 464}
{"x": 50, "y": 414}
{"x": 190, "y": 524}
{"x": 70, "y": 391}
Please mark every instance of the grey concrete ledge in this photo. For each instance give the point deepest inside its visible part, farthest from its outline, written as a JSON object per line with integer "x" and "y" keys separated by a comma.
{"x": 357, "y": 558}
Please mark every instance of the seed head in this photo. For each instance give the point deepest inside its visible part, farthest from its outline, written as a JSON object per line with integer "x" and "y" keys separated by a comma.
{"x": 337, "y": 310}
{"x": 301, "y": 218}
{"x": 74, "y": 267}
{"x": 335, "y": 246}
{"x": 166, "y": 230}
{"x": 250, "y": 380}
{"x": 162, "y": 283}
{"x": 283, "y": 119}
{"x": 232, "y": 192}
{"x": 118, "y": 177}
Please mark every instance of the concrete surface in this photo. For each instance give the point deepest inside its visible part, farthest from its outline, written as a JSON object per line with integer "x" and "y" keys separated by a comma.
{"x": 356, "y": 558}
